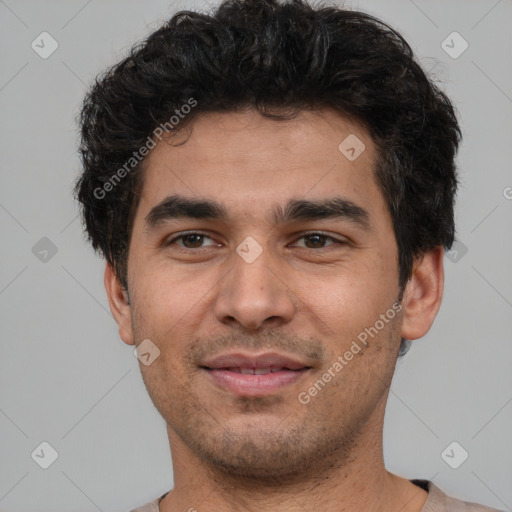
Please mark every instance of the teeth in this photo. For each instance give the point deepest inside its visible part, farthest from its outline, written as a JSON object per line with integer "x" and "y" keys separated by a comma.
{"x": 255, "y": 371}
{"x": 261, "y": 371}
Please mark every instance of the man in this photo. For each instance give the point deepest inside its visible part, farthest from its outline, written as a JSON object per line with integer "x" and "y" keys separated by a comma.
{"x": 272, "y": 187}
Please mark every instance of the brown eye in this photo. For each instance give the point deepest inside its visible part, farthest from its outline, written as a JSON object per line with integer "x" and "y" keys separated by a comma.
{"x": 194, "y": 239}
{"x": 190, "y": 240}
{"x": 318, "y": 240}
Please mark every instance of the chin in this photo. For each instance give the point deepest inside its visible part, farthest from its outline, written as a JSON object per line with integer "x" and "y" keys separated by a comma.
{"x": 264, "y": 452}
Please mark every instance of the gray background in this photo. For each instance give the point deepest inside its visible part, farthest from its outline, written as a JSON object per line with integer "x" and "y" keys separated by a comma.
{"x": 67, "y": 379}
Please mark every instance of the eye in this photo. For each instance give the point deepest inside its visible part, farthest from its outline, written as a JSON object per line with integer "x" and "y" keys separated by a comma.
{"x": 194, "y": 240}
{"x": 191, "y": 240}
{"x": 318, "y": 240}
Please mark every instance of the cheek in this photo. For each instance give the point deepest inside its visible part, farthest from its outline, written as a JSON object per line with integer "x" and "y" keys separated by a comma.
{"x": 166, "y": 302}
{"x": 346, "y": 312}
{"x": 168, "y": 311}
{"x": 351, "y": 296}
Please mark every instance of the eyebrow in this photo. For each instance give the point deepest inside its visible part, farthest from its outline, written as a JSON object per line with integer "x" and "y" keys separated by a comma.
{"x": 182, "y": 207}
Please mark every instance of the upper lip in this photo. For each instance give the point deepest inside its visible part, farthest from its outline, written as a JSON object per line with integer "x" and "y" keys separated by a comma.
{"x": 253, "y": 361}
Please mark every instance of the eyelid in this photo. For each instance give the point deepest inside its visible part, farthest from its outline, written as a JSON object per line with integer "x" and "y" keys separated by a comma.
{"x": 321, "y": 233}
{"x": 178, "y": 236}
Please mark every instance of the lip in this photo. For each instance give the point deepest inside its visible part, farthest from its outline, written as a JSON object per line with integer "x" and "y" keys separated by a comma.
{"x": 225, "y": 369}
{"x": 253, "y": 361}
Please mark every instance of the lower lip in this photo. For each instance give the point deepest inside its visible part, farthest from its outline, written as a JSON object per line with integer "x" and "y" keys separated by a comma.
{"x": 255, "y": 385}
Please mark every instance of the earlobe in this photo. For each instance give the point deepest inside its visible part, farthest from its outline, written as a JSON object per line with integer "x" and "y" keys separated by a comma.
{"x": 423, "y": 294}
{"x": 119, "y": 301}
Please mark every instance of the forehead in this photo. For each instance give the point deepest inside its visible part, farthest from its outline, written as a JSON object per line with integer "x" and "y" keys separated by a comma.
{"x": 249, "y": 163}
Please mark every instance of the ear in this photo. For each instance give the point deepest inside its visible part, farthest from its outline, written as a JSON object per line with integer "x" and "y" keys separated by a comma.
{"x": 423, "y": 294}
{"x": 119, "y": 304}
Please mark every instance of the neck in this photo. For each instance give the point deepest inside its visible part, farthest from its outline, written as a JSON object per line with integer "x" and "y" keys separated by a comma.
{"x": 352, "y": 481}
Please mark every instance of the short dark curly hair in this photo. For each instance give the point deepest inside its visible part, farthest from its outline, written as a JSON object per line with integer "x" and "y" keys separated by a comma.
{"x": 280, "y": 58}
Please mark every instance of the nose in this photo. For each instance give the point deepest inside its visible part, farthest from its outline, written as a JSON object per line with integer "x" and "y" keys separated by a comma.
{"x": 254, "y": 294}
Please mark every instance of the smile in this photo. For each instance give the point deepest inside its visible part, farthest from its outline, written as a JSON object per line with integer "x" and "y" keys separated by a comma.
{"x": 254, "y": 382}
{"x": 254, "y": 375}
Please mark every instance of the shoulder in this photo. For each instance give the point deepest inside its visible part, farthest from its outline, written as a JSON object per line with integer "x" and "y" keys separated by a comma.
{"x": 438, "y": 501}
{"x": 152, "y": 506}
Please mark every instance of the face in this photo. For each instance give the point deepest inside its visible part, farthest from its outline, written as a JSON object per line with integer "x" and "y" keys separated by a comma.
{"x": 265, "y": 287}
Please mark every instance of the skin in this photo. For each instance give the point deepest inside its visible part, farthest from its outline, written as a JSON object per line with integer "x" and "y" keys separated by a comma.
{"x": 300, "y": 296}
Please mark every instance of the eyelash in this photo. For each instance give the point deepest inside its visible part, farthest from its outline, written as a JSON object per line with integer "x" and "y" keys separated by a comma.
{"x": 304, "y": 235}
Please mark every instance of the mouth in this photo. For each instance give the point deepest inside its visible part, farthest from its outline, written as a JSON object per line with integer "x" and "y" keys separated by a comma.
{"x": 254, "y": 375}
